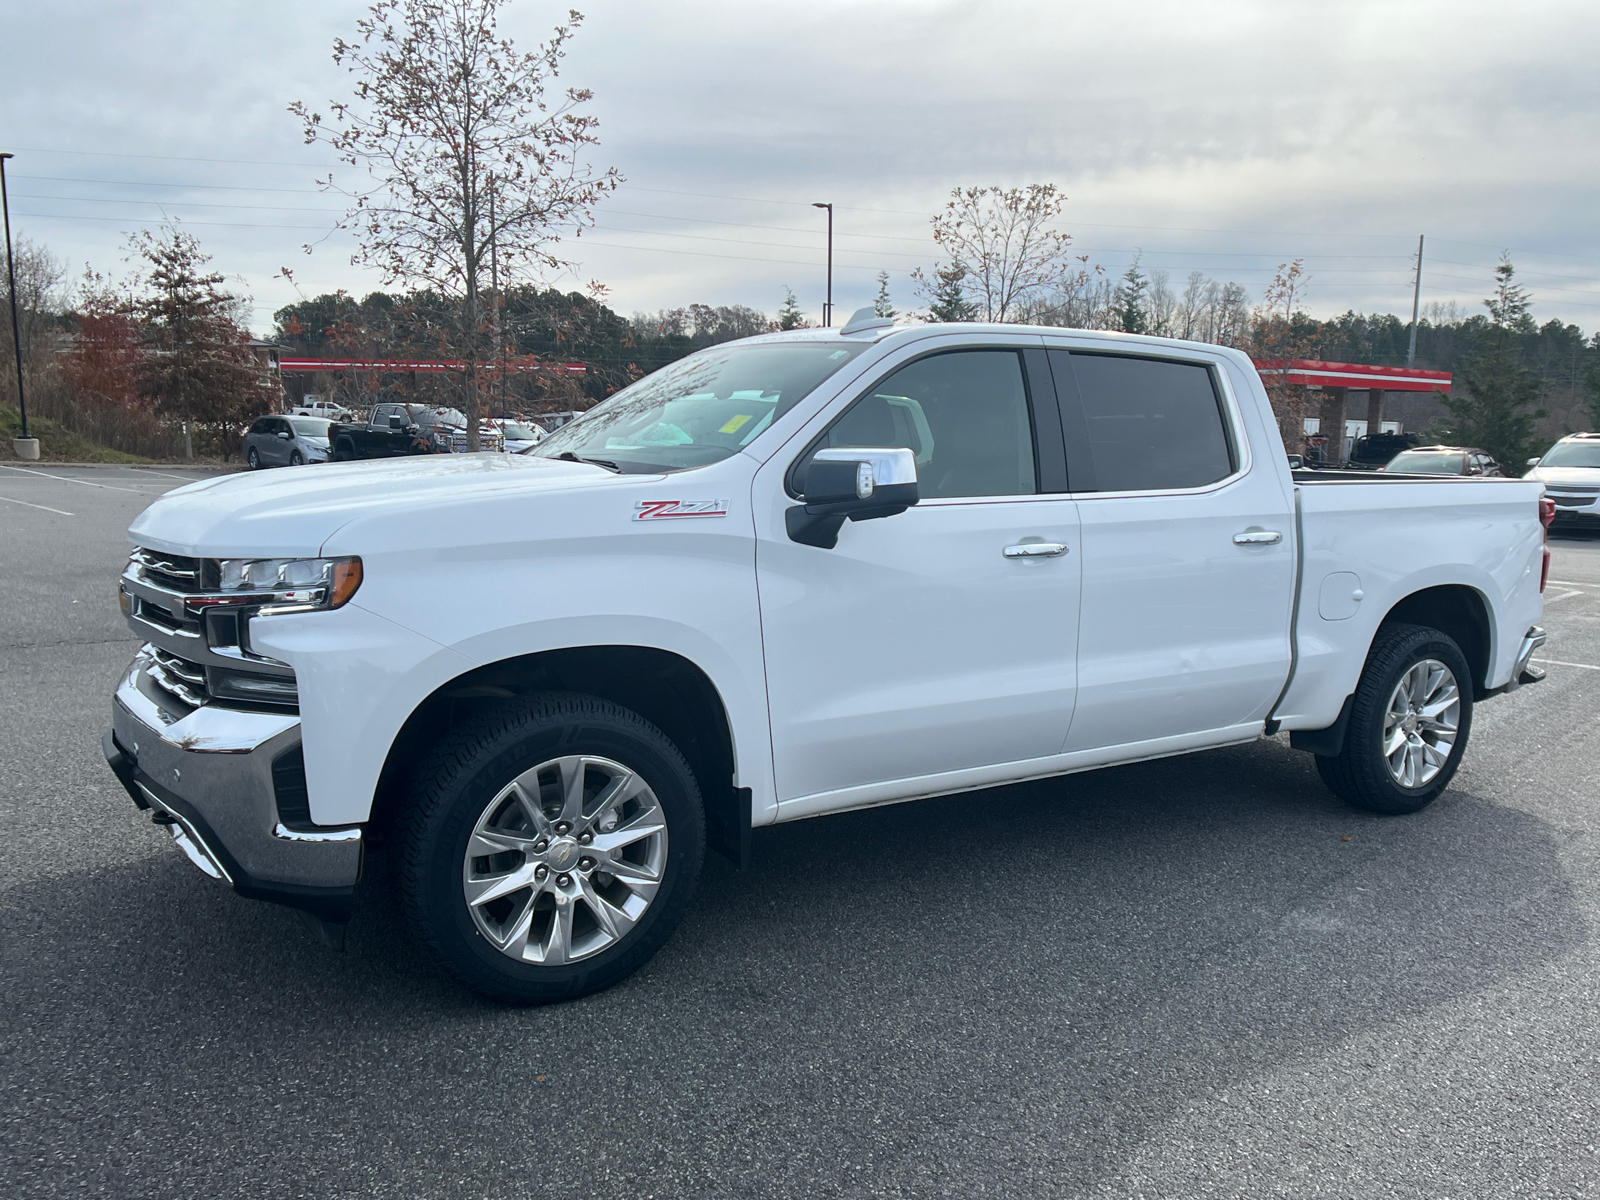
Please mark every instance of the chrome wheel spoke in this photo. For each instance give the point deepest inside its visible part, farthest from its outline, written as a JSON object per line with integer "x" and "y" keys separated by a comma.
{"x": 491, "y": 841}
{"x": 528, "y": 803}
{"x": 572, "y": 774}
{"x": 516, "y": 939}
{"x": 487, "y": 890}
{"x": 1393, "y": 740}
{"x": 558, "y": 945}
{"x": 613, "y": 921}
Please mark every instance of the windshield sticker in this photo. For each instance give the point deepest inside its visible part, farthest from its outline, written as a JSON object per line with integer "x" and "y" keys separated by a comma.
{"x": 735, "y": 423}
{"x": 656, "y": 510}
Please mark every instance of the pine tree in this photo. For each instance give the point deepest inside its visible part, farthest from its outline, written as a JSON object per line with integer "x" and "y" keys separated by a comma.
{"x": 1491, "y": 405}
{"x": 882, "y": 306}
{"x": 948, "y": 301}
{"x": 789, "y": 316}
{"x": 1130, "y": 299}
{"x": 198, "y": 368}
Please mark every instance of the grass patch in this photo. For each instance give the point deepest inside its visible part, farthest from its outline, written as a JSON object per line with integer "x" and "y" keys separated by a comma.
{"x": 57, "y": 444}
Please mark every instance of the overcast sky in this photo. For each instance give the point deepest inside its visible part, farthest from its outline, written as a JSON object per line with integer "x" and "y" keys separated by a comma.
{"x": 1225, "y": 136}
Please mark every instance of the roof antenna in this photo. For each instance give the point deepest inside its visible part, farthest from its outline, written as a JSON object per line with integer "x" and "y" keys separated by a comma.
{"x": 864, "y": 319}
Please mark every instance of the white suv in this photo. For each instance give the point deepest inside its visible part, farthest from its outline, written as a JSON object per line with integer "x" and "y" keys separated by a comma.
{"x": 1570, "y": 472}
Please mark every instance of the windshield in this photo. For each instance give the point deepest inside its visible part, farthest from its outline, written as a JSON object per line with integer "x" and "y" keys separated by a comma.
{"x": 518, "y": 432}
{"x": 1572, "y": 454}
{"x": 316, "y": 427}
{"x": 700, "y": 409}
{"x": 1428, "y": 464}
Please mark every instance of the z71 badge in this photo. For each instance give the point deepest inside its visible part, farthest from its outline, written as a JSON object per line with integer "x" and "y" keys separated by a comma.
{"x": 658, "y": 510}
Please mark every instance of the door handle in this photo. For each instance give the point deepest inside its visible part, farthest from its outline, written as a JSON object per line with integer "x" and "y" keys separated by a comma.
{"x": 1035, "y": 550}
{"x": 1257, "y": 537}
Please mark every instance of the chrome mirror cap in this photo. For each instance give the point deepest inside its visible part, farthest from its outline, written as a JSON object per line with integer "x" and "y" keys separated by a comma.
{"x": 889, "y": 468}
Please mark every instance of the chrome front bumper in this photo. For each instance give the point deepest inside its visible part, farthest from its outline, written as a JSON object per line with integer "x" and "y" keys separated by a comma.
{"x": 229, "y": 787}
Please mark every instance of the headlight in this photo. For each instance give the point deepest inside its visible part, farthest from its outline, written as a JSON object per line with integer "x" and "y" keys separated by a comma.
{"x": 280, "y": 585}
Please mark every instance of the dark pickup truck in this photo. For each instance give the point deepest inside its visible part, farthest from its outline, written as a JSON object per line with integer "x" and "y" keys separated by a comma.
{"x": 398, "y": 430}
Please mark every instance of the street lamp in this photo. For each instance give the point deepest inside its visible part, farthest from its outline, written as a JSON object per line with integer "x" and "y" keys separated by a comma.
{"x": 16, "y": 335}
{"x": 827, "y": 307}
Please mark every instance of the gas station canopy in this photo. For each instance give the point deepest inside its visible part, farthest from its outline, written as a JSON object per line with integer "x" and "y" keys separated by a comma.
{"x": 1313, "y": 372}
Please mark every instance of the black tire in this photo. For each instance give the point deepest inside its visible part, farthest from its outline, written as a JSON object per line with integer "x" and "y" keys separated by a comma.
{"x": 345, "y": 451}
{"x": 296, "y": 459}
{"x": 459, "y": 781}
{"x": 1360, "y": 775}
{"x": 253, "y": 459}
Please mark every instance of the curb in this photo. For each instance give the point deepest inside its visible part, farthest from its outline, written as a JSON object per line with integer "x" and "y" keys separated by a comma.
{"x": 36, "y": 466}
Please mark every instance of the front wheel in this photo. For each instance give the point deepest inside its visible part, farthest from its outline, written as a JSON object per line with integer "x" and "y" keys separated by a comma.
{"x": 296, "y": 459}
{"x": 253, "y": 459}
{"x": 550, "y": 847}
{"x": 1409, "y": 722}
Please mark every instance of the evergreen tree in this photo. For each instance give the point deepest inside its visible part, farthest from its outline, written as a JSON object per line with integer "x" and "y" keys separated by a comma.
{"x": 1492, "y": 405}
{"x": 789, "y": 316}
{"x": 882, "y": 306}
{"x": 948, "y": 301}
{"x": 1591, "y": 382}
{"x": 1130, "y": 300}
{"x": 199, "y": 368}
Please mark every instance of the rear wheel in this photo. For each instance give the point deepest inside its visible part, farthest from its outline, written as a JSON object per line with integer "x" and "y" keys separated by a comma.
{"x": 1409, "y": 723}
{"x": 550, "y": 847}
{"x": 344, "y": 451}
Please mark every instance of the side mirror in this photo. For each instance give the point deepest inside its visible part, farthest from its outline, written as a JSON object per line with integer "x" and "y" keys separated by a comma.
{"x": 396, "y": 422}
{"x": 861, "y": 484}
{"x": 1533, "y": 462}
{"x": 284, "y": 434}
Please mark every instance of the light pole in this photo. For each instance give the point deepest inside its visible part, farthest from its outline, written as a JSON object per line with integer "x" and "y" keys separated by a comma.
{"x": 16, "y": 335}
{"x": 827, "y": 307}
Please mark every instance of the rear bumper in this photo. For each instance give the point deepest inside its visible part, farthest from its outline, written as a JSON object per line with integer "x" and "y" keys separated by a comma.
{"x": 1525, "y": 671}
{"x": 227, "y": 786}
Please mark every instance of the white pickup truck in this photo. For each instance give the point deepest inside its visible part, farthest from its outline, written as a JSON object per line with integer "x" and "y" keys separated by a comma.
{"x": 784, "y": 577}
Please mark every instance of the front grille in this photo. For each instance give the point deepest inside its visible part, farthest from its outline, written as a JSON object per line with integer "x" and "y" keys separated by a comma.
{"x": 171, "y": 571}
{"x": 178, "y": 677}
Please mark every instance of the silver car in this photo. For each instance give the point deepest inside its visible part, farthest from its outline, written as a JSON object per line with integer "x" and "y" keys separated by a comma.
{"x": 1570, "y": 472}
{"x": 286, "y": 442}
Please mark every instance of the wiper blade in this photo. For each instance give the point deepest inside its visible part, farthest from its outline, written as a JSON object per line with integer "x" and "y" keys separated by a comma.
{"x": 569, "y": 456}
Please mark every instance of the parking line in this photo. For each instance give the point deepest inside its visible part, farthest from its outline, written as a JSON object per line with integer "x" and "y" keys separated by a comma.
{"x": 1556, "y": 662}
{"x": 37, "y": 474}
{"x": 42, "y": 507}
{"x": 1562, "y": 596}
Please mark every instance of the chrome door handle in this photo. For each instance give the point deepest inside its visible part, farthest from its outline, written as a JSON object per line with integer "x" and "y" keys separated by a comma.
{"x": 1035, "y": 550}
{"x": 1257, "y": 537}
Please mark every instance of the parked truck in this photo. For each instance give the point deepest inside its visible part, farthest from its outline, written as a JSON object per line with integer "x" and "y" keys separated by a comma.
{"x": 403, "y": 430}
{"x": 785, "y": 577}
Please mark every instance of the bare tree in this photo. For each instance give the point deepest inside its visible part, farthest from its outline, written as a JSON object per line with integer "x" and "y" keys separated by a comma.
{"x": 466, "y": 150}
{"x": 41, "y": 298}
{"x": 1005, "y": 240}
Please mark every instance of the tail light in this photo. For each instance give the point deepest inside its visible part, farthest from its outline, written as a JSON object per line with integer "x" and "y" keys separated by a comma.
{"x": 1547, "y": 514}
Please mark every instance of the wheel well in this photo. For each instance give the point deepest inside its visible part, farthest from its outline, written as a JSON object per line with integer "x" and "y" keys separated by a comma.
{"x": 1458, "y": 611}
{"x": 666, "y": 689}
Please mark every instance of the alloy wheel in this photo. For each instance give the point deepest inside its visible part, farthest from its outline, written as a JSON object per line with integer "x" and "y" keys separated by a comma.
{"x": 565, "y": 860}
{"x": 1421, "y": 723}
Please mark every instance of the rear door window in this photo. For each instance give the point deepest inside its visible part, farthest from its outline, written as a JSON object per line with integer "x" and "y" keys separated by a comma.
{"x": 1142, "y": 424}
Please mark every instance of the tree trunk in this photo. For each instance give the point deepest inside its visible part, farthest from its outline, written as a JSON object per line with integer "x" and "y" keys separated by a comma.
{"x": 471, "y": 348}
{"x": 1331, "y": 421}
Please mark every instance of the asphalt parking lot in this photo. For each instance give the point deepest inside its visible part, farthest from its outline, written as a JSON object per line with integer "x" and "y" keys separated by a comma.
{"x": 1196, "y": 977}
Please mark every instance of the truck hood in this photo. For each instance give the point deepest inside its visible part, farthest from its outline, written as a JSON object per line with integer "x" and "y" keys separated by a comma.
{"x": 1557, "y": 476}
{"x": 273, "y": 514}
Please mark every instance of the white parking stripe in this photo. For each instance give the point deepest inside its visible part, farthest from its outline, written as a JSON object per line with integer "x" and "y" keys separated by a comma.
{"x": 43, "y": 507}
{"x": 1556, "y": 662}
{"x": 1562, "y": 596}
{"x": 37, "y": 474}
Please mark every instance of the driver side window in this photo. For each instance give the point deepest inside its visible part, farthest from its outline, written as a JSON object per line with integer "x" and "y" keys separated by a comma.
{"x": 964, "y": 414}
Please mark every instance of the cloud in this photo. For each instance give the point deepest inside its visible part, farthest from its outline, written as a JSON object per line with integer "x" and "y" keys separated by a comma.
{"x": 1225, "y": 137}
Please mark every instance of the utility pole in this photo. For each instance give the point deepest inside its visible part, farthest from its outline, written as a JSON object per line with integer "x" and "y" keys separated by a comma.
{"x": 1416, "y": 302}
{"x": 827, "y": 307}
{"x": 11, "y": 278}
